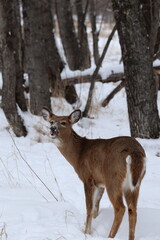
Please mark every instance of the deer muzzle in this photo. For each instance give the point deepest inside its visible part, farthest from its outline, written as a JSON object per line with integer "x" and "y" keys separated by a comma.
{"x": 54, "y": 131}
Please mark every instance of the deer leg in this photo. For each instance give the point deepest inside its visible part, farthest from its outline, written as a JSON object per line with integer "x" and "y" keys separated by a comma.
{"x": 119, "y": 210}
{"x": 89, "y": 188}
{"x": 131, "y": 199}
{"x": 132, "y": 212}
{"x": 98, "y": 192}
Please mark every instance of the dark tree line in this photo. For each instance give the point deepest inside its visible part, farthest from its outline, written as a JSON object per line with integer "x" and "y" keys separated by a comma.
{"x": 31, "y": 48}
{"x": 28, "y": 45}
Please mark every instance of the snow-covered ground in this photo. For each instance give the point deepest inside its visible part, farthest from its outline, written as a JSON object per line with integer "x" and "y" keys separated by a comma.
{"x": 30, "y": 211}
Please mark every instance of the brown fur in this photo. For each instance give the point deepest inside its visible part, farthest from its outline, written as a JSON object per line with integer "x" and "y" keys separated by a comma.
{"x": 103, "y": 162}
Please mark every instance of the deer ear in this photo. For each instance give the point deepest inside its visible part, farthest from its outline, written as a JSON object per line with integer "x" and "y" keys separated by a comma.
{"x": 75, "y": 116}
{"x": 46, "y": 113}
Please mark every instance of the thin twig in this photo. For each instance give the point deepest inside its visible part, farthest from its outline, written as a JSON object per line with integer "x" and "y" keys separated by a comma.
{"x": 31, "y": 168}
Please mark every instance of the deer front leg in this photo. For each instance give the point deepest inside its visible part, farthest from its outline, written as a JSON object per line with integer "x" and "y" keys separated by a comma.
{"x": 97, "y": 195}
{"x": 89, "y": 190}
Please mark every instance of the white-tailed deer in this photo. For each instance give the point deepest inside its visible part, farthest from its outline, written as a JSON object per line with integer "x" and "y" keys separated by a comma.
{"x": 117, "y": 164}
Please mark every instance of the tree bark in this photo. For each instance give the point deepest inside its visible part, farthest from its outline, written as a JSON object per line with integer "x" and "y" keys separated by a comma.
{"x": 42, "y": 58}
{"x": 157, "y": 46}
{"x": 95, "y": 33}
{"x": 84, "y": 52}
{"x": 137, "y": 59}
{"x": 0, "y": 59}
{"x": 150, "y": 11}
{"x": 55, "y": 64}
{"x": 71, "y": 43}
{"x": 11, "y": 67}
{"x": 71, "y": 94}
{"x": 17, "y": 42}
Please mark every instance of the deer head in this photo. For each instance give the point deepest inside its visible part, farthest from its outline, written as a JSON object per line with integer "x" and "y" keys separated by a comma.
{"x": 60, "y": 125}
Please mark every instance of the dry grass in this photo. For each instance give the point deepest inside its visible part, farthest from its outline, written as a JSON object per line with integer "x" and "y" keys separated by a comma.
{"x": 3, "y": 232}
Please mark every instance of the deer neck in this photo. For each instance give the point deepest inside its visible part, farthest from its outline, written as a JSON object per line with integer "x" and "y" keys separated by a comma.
{"x": 70, "y": 147}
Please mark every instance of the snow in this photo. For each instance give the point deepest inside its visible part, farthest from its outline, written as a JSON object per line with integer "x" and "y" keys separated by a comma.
{"x": 30, "y": 211}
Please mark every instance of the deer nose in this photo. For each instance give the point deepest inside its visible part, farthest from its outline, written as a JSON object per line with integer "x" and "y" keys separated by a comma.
{"x": 53, "y": 128}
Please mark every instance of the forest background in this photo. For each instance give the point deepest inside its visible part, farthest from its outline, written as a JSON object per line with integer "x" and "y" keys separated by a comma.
{"x": 66, "y": 55}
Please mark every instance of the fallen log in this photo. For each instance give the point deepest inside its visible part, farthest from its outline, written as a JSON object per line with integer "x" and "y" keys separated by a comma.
{"x": 80, "y": 79}
{"x": 114, "y": 77}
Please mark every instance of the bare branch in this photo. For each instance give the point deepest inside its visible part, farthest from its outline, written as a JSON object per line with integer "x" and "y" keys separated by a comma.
{"x": 112, "y": 94}
{"x": 85, "y": 113}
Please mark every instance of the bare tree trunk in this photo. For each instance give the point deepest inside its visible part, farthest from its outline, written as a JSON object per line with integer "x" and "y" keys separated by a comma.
{"x": 95, "y": 33}
{"x": 17, "y": 42}
{"x": 0, "y": 58}
{"x": 137, "y": 59}
{"x": 11, "y": 67}
{"x": 84, "y": 52}
{"x": 71, "y": 42}
{"x": 157, "y": 46}
{"x": 55, "y": 63}
{"x": 150, "y": 11}
{"x": 67, "y": 32}
{"x": 42, "y": 58}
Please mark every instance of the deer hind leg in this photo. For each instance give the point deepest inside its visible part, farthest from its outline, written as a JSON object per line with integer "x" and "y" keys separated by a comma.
{"x": 119, "y": 210}
{"x": 97, "y": 195}
{"x": 131, "y": 200}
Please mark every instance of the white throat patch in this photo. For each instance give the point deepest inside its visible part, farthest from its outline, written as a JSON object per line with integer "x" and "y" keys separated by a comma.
{"x": 57, "y": 142}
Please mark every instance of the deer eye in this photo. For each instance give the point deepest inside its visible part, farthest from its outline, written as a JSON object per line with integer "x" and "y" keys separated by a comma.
{"x": 63, "y": 123}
